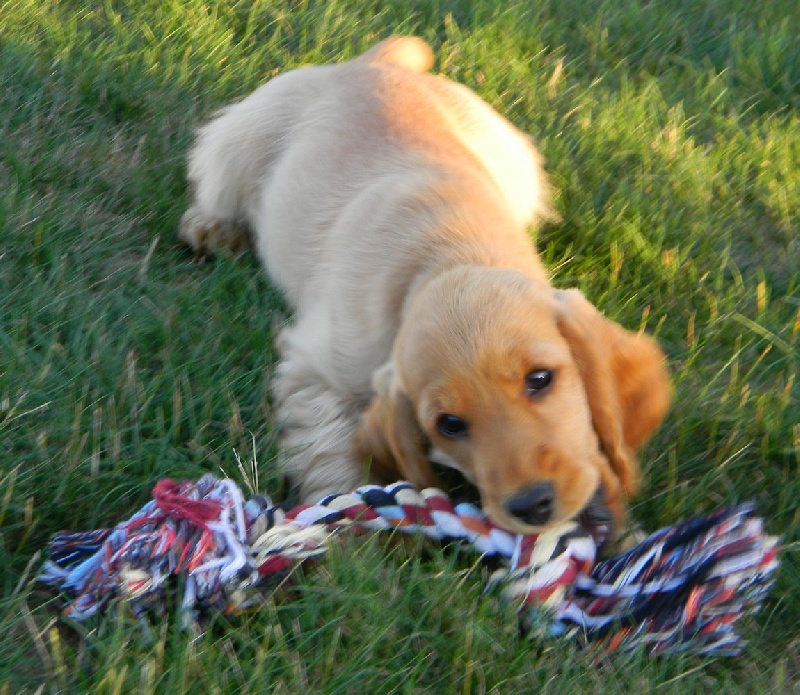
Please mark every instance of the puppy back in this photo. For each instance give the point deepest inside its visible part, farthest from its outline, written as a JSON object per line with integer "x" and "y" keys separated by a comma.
{"x": 406, "y": 51}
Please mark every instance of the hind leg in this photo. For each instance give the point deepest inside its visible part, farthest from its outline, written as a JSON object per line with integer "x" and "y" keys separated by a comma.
{"x": 233, "y": 159}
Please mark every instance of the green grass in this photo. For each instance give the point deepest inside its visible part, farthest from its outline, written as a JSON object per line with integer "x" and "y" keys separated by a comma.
{"x": 672, "y": 133}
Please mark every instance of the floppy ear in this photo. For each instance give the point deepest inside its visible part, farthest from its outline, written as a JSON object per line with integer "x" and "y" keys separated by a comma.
{"x": 390, "y": 436}
{"x": 625, "y": 378}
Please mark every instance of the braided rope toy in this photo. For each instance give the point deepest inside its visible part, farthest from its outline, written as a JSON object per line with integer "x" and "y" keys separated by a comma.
{"x": 681, "y": 589}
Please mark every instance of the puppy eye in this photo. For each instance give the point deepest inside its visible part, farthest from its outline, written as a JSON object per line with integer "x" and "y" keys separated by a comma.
{"x": 538, "y": 381}
{"x": 451, "y": 427}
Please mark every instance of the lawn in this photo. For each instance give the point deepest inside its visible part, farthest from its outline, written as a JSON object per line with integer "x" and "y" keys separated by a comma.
{"x": 671, "y": 132}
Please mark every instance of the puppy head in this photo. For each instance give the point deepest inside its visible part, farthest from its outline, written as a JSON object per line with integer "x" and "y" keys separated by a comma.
{"x": 531, "y": 394}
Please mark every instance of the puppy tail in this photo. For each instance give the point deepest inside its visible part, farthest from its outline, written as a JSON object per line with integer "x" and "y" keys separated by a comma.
{"x": 406, "y": 51}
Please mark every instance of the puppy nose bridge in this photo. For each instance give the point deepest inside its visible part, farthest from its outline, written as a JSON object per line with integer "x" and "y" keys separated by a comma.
{"x": 534, "y": 504}
{"x": 547, "y": 460}
{"x": 530, "y": 464}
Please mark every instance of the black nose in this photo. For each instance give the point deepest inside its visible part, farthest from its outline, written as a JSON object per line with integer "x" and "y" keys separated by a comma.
{"x": 533, "y": 505}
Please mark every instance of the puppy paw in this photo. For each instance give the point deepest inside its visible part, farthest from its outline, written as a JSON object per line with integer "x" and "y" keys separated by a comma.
{"x": 207, "y": 236}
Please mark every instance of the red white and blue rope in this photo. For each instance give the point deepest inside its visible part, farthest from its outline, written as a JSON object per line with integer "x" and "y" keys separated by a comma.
{"x": 684, "y": 588}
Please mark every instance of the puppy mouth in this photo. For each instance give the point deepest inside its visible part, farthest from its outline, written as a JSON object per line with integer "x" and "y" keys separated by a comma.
{"x": 597, "y": 519}
{"x": 456, "y": 483}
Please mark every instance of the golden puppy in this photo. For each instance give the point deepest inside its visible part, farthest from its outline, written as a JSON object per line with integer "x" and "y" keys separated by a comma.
{"x": 392, "y": 207}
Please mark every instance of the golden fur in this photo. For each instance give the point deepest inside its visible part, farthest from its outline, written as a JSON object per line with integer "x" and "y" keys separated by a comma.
{"x": 392, "y": 207}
